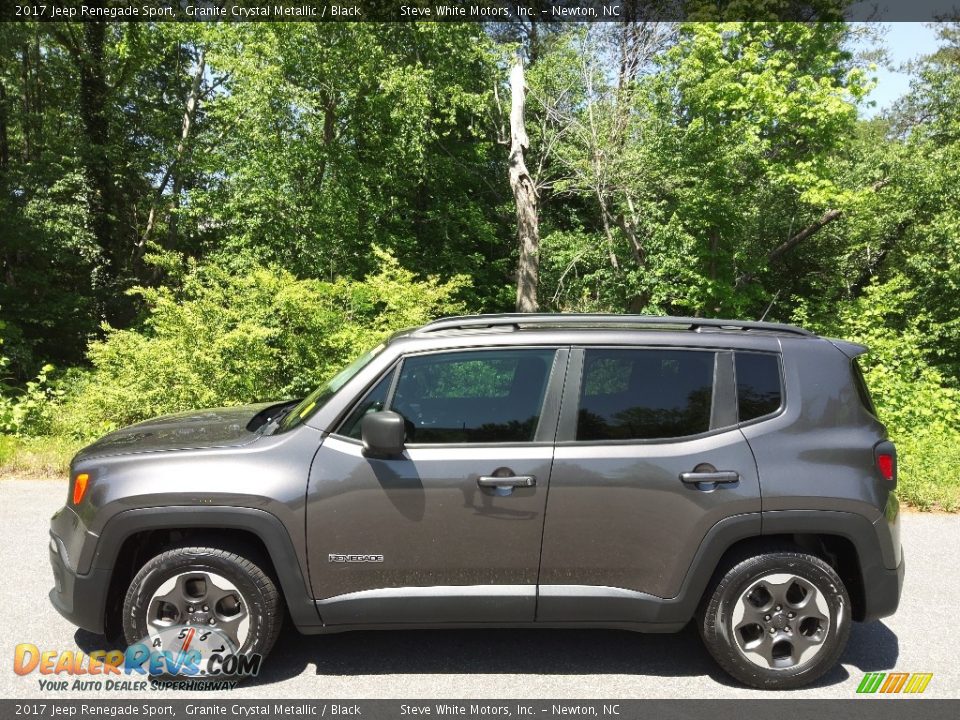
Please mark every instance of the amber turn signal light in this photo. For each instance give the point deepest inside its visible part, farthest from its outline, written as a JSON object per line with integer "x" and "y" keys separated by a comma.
{"x": 80, "y": 487}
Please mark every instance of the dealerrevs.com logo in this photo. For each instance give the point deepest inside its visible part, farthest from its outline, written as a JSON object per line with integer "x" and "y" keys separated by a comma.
{"x": 893, "y": 683}
{"x": 177, "y": 657}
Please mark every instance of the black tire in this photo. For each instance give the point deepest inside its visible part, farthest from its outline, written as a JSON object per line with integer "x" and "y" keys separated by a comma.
{"x": 264, "y": 606}
{"x": 715, "y": 621}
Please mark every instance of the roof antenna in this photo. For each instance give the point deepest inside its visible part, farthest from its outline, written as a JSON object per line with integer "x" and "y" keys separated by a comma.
{"x": 770, "y": 306}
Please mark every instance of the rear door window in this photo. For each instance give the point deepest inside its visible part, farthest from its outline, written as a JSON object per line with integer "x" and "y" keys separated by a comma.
{"x": 759, "y": 390}
{"x": 645, "y": 394}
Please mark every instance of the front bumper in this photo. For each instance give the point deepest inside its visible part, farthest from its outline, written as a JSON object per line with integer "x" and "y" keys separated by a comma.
{"x": 882, "y": 588}
{"x": 80, "y": 598}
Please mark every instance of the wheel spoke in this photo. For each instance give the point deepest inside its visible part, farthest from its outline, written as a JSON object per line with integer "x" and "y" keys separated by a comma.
{"x": 231, "y": 628}
{"x": 798, "y": 593}
{"x": 215, "y": 594}
{"x": 193, "y": 588}
{"x": 807, "y": 641}
{"x": 162, "y": 614}
{"x": 763, "y": 649}
{"x": 759, "y": 599}
{"x": 203, "y": 600}
{"x": 750, "y": 635}
{"x": 812, "y": 613}
{"x": 780, "y": 620}
{"x": 164, "y": 609}
{"x": 750, "y": 614}
{"x": 749, "y": 622}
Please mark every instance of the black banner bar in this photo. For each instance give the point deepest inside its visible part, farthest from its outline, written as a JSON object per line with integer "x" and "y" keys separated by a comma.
{"x": 475, "y": 10}
{"x": 872, "y": 708}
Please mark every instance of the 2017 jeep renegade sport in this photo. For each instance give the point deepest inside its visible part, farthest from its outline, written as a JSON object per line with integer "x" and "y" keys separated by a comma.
{"x": 511, "y": 471}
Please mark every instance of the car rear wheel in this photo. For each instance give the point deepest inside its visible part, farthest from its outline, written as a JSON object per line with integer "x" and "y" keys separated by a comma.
{"x": 778, "y": 620}
{"x": 206, "y": 600}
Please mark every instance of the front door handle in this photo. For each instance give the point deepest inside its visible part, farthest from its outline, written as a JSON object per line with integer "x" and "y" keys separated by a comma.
{"x": 511, "y": 481}
{"x": 716, "y": 476}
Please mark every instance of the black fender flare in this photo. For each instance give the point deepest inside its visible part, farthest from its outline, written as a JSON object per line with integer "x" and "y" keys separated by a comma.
{"x": 876, "y": 561}
{"x": 264, "y": 525}
{"x": 880, "y": 574}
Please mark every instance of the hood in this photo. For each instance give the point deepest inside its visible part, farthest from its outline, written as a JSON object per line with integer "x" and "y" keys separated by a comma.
{"x": 217, "y": 427}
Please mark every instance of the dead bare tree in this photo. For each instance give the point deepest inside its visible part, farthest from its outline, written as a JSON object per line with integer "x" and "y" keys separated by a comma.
{"x": 524, "y": 195}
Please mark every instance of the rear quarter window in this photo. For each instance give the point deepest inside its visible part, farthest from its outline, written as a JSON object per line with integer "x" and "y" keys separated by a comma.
{"x": 759, "y": 386}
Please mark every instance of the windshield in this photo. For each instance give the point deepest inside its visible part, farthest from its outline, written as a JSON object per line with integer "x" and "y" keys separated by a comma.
{"x": 319, "y": 397}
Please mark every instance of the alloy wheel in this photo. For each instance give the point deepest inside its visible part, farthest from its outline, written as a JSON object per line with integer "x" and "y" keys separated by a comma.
{"x": 780, "y": 620}
{"x": 199, "y": 599}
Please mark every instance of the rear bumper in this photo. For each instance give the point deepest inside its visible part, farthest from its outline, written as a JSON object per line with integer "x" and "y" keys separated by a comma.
{"x": 882, "y": 588}
{"x": 81, "y": 599}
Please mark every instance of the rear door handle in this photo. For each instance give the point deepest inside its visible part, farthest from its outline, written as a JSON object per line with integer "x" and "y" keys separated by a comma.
{"x": 511, "y": 481}
{"x": 716, "y": 476}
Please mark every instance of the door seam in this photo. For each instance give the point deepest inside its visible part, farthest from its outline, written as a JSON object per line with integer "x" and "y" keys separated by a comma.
{"x": 546, "y": 499}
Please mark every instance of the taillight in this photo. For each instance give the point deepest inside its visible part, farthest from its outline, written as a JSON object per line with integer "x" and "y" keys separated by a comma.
{"x": 80, "y": 487}
{"x": 885, "y": 457}
{"x": 885, "y": 465}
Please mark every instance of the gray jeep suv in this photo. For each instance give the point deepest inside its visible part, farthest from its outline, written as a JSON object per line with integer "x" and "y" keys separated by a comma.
{"x": 513, "y": 471}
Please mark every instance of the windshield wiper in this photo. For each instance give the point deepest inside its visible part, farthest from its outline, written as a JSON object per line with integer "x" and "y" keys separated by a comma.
{"x": 273, "y": 422}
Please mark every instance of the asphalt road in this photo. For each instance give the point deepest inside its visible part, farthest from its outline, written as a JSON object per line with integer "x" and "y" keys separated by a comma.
{"x": 922, "y": 637}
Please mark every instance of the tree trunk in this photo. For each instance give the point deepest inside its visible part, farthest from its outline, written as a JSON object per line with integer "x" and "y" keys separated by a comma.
{"x": 329, "y": 131}
{"x": 38, "y": 91}
{"x": 4, "y": 136}
{"x": 96, "y": 153}
{"x": 25, "y": 122}
{"x": 525, "y": 196}
{"x": 172, "y": 171}
{"x": 810, "y": 230}
{"x": 189, "y": 115}
{"x": 597, "y": 161}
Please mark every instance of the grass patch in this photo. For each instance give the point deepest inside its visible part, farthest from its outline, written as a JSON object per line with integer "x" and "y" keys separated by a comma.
{"x": 929, "y": 470}
{"x": 46, "y": 457}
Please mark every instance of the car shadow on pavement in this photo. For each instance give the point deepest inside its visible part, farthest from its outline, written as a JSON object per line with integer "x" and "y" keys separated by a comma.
{"x": 872, "y": 646}
{"x": 507, "y": 652}
{"x": 563, "y": 652}
{"x": 494, "y": 651}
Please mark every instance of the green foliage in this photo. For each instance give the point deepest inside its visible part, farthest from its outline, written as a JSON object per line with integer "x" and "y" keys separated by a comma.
{"x": 709, "y": 168}
{"x": 919, "y": 405}
{"x": 673, "y": 190}
{"x": 689, "y": 176}
{"x": 27, "y": 410}
{"x": 307, "y": 145}
{"x": 229, "y": 337}
{"x": 321, "y": 164}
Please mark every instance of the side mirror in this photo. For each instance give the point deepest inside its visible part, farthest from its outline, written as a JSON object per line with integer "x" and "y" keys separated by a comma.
{"x": 383, "y": 434}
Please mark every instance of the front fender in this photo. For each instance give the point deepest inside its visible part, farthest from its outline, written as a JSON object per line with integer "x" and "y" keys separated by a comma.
{"x": 267, "y": 527}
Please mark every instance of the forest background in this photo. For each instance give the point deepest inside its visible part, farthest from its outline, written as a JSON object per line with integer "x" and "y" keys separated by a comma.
{"x": 210, "y": 214}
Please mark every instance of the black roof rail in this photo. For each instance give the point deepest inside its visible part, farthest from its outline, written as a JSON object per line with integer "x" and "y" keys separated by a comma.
{"x": 514, "y": 321}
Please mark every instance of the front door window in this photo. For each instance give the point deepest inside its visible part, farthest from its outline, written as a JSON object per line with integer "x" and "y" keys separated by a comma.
{"x": 473, "y": 397}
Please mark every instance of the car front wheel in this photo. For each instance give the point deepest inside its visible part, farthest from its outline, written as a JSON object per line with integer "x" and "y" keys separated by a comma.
{"x": 206, "y": 601}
